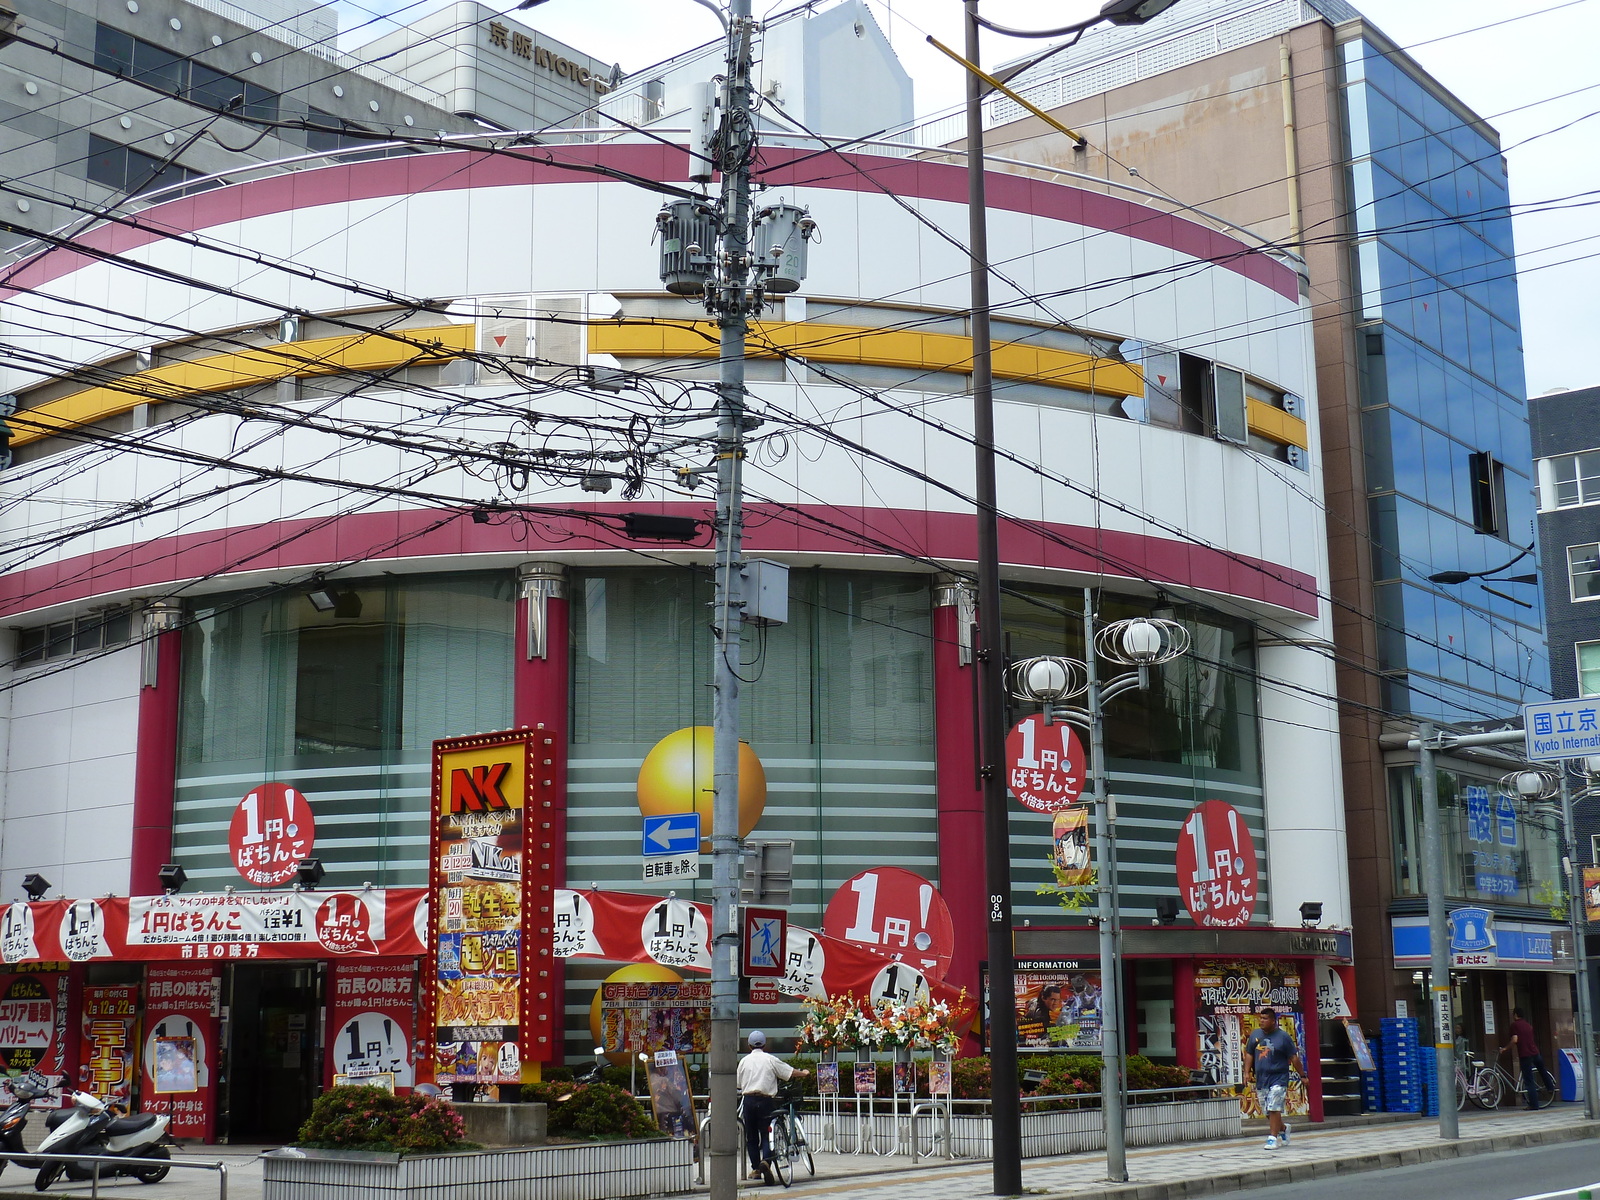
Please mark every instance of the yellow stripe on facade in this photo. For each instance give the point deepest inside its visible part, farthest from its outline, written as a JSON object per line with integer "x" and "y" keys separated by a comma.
{"x": 245, "y": 368}
{"x": 906, "y": 348}
{"x": 1275, "y": 425}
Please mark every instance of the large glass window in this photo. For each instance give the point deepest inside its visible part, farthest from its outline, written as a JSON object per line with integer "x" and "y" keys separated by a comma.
{"x": 1497, "y": 848}
{"x": 1575, "y": 479}
{"x": 377, "y": 678}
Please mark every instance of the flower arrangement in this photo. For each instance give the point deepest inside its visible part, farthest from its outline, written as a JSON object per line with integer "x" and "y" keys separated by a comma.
{"x": 845, "y": 1023}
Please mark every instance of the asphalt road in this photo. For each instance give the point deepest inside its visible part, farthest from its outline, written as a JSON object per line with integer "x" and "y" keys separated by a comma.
{"x": 1542, "y": 1173}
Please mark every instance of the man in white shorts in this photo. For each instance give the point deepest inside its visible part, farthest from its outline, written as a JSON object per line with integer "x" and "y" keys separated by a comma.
{"x": 1269, "y": 1056}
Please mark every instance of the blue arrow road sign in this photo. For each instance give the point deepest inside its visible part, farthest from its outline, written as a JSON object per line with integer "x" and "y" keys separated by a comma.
{"x": 675, "y": 833}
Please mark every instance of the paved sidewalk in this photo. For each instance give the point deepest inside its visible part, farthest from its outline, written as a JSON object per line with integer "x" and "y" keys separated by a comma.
{"x": 1158, "y": 1173}
{"x": 1206, "y": 1168}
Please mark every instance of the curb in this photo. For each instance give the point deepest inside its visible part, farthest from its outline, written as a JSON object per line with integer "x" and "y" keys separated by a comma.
{"x": 1303, "y": 1172}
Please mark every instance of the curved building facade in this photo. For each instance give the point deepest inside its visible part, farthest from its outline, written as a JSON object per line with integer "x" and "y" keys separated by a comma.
{"x": 314, "y": 469}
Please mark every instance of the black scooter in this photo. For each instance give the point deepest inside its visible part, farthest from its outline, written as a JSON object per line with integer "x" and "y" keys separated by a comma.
{"x": 25, "y": 1089}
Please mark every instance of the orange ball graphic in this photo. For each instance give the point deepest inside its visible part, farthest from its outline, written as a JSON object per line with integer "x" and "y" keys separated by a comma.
{"x": 675, "y": 777}
{"x": 632, "y": 973}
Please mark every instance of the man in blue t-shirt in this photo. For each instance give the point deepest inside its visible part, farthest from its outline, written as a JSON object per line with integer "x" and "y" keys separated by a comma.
{"x": 1269, "y": 1056}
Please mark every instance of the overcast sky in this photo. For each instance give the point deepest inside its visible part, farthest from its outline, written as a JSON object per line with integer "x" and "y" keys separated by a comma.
{"x": 1494, "y": 71}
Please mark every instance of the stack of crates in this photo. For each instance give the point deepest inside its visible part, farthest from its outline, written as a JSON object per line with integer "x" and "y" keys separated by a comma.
{"x": 1402, "y": 1065}
{"x": 1372, "y": 1081}
{"x": 1430, "y": 1081}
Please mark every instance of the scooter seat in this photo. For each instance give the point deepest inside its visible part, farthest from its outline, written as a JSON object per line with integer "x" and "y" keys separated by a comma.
{"x": 123, "y": 1126}
{"x": 57, "y": 1118}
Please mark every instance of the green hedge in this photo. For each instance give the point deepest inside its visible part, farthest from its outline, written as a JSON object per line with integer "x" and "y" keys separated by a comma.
{"x": 596, "y": 1111}
{"x": 373, "y": 1118}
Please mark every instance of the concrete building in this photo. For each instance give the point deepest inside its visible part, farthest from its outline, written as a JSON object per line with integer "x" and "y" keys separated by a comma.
{"x": 348, "y": 470}
{"x": 1302, "y": 122}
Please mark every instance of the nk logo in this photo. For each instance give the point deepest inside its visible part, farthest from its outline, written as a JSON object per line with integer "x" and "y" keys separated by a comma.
{"x": 479, "y": 789}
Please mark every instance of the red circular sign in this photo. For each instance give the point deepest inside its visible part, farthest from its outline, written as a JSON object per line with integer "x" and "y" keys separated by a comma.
{"x": 1044, "y": 764}
{"x": 895, "y": 912}
{"x": 1217, "y": 866}
{"x": 271, "y": 831}
{"x": 344, "y": 925}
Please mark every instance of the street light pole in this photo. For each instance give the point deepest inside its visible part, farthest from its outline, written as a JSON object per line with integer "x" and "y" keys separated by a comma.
{"x": 1005, "y": 1092}
{"x": 1438, "y": 935}
{"x": 1109, "y": 921}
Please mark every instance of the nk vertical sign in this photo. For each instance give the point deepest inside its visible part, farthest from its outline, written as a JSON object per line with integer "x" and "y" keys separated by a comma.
{"x": 487, "y": 990}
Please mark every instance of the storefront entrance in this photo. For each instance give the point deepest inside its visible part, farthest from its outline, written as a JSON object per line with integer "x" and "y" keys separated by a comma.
{"x": 272, "y": 1050}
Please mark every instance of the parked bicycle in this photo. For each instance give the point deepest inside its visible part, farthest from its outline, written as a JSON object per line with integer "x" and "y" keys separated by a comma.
{"x": 788, "y": 1138}
{"x": 1486, "y": 1085}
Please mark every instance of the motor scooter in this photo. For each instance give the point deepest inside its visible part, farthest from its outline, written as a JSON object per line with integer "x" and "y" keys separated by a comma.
{"x": 92, "y": 1129}
{"x": 25, "y": 1089}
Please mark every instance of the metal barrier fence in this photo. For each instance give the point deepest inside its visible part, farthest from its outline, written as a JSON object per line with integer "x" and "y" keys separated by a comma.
{"x": 29, "y": 1160}
{"x": 945, "y": 1128}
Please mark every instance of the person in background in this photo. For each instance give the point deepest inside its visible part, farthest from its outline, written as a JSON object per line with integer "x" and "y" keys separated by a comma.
{"x": 757, "y": 1079}
{"x": 1527, "y": 1052}
{"x": 1269, "y": 1056}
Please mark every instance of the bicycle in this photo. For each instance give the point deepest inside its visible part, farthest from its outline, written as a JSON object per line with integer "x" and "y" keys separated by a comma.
{"x": 1489, "y": 1082}
{"x": 787, "y": 1139}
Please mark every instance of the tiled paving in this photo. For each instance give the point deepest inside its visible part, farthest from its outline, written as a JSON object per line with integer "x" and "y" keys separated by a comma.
{"x": 1157, "y": 1173}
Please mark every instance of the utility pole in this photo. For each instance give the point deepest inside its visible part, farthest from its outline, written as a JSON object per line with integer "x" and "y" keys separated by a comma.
{"x": 732, "y": 302}
{"x": 1575, "y": 914}
{"x": 1004, "y": 1087}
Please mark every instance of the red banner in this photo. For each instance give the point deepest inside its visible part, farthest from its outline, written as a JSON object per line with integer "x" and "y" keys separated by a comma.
{"x": 109, "y": 1046}
{"x": 625, "y": 927}
{"x": 371, "y": 1019}
{"x": 236, "y": 926}
{"x": 179, "y": 1072}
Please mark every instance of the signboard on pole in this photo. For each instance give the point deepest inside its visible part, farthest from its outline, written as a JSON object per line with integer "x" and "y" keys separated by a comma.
{"x": 1044, "y": 764}
{"x": 763, "y": 943}
{"x": 1216, "y": 862}
{"x": 671, "y": 846}
{"x": 1559, "y": 729}
{"x": 1591, "y": 894}
{"x": 1472, "y": 939}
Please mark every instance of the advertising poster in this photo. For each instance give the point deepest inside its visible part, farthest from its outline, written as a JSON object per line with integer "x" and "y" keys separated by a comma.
{"x": 655, "y": 1017}
{"x": 108, "y": 1054}
{"x": 671, "y": 1098}
{"x": 827, "y": 1079}
{"x": 1070, "y": 830}
{"x": 939, "y": 1077}
{"x": 865, "y": 1078}
{"x": 1227, "y": 995}
{"x": 482, "y": 1022}
{"x": 1591, "y": 894}
{"x": 178, "y": 1068}
{"x": 33, "y": 1022}
{"x": 1057, "y": 1005}
{"x": 371, "y": 1023}
{"x": 905, "y": 1078}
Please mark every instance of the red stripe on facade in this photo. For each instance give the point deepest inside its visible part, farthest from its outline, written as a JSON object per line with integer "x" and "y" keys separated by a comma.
{"x": 443, "y": 172}
{"x": 802, "y": 529}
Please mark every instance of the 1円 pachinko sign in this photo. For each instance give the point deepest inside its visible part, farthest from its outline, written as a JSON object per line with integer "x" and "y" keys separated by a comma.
{"x": 490, "y": 1005}
{"x": 1228, "y": 997}
{"x": 371, "y": 1016}
{"x": 271, "y": 831}
{"x": 1216, "y": 865}
{"x": 179, "y": 1073}
{"x": 108, "y": 1053}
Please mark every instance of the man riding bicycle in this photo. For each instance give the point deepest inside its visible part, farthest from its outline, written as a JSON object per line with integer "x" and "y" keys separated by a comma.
{"x": 758, "y": 1078}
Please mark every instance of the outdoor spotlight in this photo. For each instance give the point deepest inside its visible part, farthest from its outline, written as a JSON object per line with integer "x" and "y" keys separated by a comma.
{"x": 1311, "y": 913}
{"x": 309, "y": 873}
{"x": 347, "y": 605}
{"x": 1141, "y": 641}
{"x": 172, "y": 877}
{"x": 1166, "y": 910}
{"x": 36, "y": 885}
{"x": 323, "y": 598}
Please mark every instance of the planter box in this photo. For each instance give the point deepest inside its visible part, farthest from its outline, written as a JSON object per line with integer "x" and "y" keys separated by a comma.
{"x": 505, "y": 1124}
{"x": 1043, "y": 1133}
{"x": 589, "y": 1171}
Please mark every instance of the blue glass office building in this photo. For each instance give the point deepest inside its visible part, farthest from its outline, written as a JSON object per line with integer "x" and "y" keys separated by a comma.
{"x": 1444, "y": 418}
